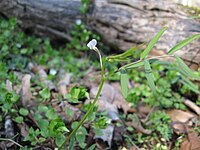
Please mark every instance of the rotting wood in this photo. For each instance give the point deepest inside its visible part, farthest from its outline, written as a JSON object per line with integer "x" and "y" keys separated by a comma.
{"x": 121, "y": 23}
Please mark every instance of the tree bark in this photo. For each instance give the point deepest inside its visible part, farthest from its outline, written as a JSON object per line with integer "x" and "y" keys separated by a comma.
{"x": 51, "y": 18}
{"x": 121, "y": 23}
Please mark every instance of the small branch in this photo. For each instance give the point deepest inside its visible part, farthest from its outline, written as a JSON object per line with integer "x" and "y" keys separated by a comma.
{"x": 192, "y": 106}
{"x": 136, "y": 147}
{"x": 4, "y": 139}
{"x": 147, "y": 117}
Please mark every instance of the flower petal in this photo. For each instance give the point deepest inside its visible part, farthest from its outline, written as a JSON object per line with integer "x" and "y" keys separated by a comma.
{"x": 92, "y": 44}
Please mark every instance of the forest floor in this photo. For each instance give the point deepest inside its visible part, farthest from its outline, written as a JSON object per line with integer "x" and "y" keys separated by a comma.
{"x": 46, "y": 89}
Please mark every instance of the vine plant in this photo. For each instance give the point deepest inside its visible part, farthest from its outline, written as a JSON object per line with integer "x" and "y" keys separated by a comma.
{"x": 144, "y": 61}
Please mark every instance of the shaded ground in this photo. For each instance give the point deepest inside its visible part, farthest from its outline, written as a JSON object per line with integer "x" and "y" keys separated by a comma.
{"x": 44, "y": 92}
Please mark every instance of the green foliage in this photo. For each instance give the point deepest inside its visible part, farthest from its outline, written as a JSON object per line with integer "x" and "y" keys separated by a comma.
{"x": 23, "y": 111}
{"x": 135, "y": 65}
{"x": 17, "y": 50}
{"x": 45, "y": 93}
{"x": 125, "y": 56}
{"x": 137, "y": 93}
{"x": 76, "y": 94}
{"x": 101, "y": 123}
{"x": 185, "y": 68}
{"x": 198, "y": 101}
{"x": 80, "y": 134}
{"x": 81, "y": 36}
{"x": 19, "y": 119}
{"x": 84, "y": 7}
{"x": 152, "y": 43}
{"x": 92, "y": 147}
{"x": 14, "y": 42}
{"x": 124, "y": 83}
{"x": 160, "y": 122}
{"x": 183, "y": 43}
{"x": 166, "y": 97}
{"x": 189, "y": 84}
{"x": 51, "y": 126}
{"x": 7, "y": 99}
{"x": 149, "y": 76}
{"x": 32, "y": 136}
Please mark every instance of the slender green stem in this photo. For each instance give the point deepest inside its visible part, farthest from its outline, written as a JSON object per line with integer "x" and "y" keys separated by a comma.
{"x": 87, "y": 113}
{"x": 135, "y": 62}
{"x": 94, "y": 102}
{"x": 100, "y": 59}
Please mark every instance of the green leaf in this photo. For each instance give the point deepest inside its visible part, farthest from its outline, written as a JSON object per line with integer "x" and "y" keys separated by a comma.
{"x": 68, "y": 111}
{"x": 97, "y": 131}
{"x": 74, "y": 125}
{"x": 101, "y": 123}
{"x": 60, "y": 138}
{"x": 45, "y": 93}
{"x": 19, "y": 119}
{"x": 124, "y": 83}
{"x": 92, "y": 147}
{"x": 135, "y": 65}
{"x": 43, "y": 108}
{"x": 189, "y": 84}
{"x": 23, "y": 111}
{"x": 149, "y": 76}
{"x": 152, "y": 43}
{"x": 183, "y": 43}
{"x": 43, "y": 124}
{"x": 50, "y": 114}
{"x": 124, "y": 55}
{"x": 71, "y": 143}
{"x": 80, "y": 136}
{"x": 186, "y": 68}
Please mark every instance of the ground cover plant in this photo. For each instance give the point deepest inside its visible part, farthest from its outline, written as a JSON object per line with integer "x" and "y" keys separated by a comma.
{"x": 56, "y": 98}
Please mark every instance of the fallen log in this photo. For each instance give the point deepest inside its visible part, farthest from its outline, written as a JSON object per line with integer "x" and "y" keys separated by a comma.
{"x": 121, "y": 23}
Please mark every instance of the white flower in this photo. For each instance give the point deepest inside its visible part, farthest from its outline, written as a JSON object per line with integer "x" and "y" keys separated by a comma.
{"x": 92, "y": 44}
{"x": 78, "y": 21}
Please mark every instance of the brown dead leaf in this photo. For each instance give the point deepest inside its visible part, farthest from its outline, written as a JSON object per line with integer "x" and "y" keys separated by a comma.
{"x": 136, "y": 123}
{"x": 4, "y": 145}
{"x": 192, "y": 142}
{"x": 181, "y": 116}
{"x": 43, "y": 76}
{"x": 25, "y": 92}
{"x": 9, "y": 86}
{"x": 143, "y": 109}
{"x": 181, "y": 120}
{"x": 91, "y": 78}
{"x": 133, "y": 148}
{"x": 62, "y": 84}
{"x": 24, "y": 129}
{"x": 111, "y": 95}
{"x": 61, "y": 110}
{"x": 118, "y": 137}
{"x": 107, "y": 134}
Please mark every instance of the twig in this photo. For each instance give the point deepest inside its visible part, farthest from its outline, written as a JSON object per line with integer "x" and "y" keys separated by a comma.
{"x": 192, "y": 106}
{"x": 147, "y": 117}
{"x": 137, "y": 148}
{"x": 5, "y": 139}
